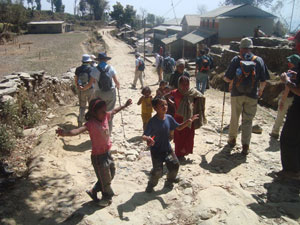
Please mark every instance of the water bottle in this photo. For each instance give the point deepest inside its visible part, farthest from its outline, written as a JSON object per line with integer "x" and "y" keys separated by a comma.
{"x": 238, "y": 72}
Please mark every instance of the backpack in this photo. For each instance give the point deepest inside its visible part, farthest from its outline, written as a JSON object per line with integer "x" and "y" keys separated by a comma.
{"x": 211, "y": 62}
{"x": 167, "y": 65}
{"x": 205, "y": 64}
{"x": 141, "y": 66}
{"x": 245, "y": 75}
{"x": 105, "y": 81}
{"x": 160, "y": 61}
{"x": 83, "y": 75}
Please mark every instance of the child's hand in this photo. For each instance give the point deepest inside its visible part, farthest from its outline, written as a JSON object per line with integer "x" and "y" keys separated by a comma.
{"x": 128, "y": 103}
{"x": 60, "y": 132}
{"x": 150, "y": 141}
{"x": 194, "y": 117}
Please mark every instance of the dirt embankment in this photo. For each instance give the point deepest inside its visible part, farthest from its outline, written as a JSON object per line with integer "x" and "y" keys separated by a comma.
{"x": 218, "y": 185}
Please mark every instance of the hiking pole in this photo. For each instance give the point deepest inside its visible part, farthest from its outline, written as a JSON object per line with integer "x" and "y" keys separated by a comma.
{"x": 221, "y": 131}
{"x": 121, "y": 113}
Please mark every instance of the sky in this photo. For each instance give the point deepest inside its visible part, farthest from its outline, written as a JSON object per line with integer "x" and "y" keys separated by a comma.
{"x": 181, "y": 7}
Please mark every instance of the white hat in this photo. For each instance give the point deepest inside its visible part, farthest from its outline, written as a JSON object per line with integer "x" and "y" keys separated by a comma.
{"x": 86, "y": 58}
{"x": 93, "y": 57}
{"x": 246, "y": 43}
{"x": 180, "y": 62}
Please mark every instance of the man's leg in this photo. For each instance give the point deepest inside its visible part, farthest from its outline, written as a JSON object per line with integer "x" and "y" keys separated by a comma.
{"x": 198, "y": 84}
{"x": 82, "y": 106}
{"x": 236, "y": 109}
{"x": 249, "y": 111}
{"x": 141, "y": 78}
{"x": 204, "y": 83}
{"x": 136, "y": 76}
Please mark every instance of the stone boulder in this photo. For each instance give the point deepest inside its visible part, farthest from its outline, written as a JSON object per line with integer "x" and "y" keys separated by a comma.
{"x": 271, "y": 93}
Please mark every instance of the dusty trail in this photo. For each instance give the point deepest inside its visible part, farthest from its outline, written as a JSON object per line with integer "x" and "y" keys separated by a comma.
{"x": 217, "y": 187}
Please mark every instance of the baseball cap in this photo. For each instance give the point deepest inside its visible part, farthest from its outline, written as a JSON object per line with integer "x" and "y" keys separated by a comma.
{"x": 246, "y": 43}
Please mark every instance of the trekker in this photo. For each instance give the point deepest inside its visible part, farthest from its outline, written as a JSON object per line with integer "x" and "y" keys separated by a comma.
{"x": 103, "y": 163}
{"x": 145, "y": 102}
{"x": 246, "y": 75}
{"x": 168, "y": 67}
{"x": 159, "y": 66}
{"x": 184, "y": 98}
{"x": 157, "y": 136}
{"x": 84, "y": 83}
{"x": 290, "y": 135}
{"x": 287, "y": 97}
{"x": 139, "y": 69}
{"x": 202, "y": 71}
{"x": 180, "y": 65}
{"x": 107, "y": 82}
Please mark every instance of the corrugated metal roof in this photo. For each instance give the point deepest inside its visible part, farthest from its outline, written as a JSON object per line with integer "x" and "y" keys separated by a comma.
{"x": 46, "y": 22}
{"x": 160, "y": 28}
{"x": 172, "y": 22}
{"x": 170, "y": 39}
{"x": 141, "y": 31}
{"x": 220, "y": 11}
{"x": 244, "y": 10}
{"x": 192, "y": 20}
{"x": 176, "y": 28}
{"x": 198, "y": 35}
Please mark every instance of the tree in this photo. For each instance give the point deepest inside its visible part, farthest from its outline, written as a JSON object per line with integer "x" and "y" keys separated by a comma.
{"x": 129, "y": 15}
{"x": 257, "y": 3}
{"x": 52, "y": 4}
{"x": 59, "y": 7}
{"x": 117, "y": 13}
{"x": 83, "y": 7}
{"x": 38, "y": 5}
{"x": 201, "y": 9}
{"x": 151, "y": 19}
{"x": 98, "y": 7}
{"x": 159, "y": 20}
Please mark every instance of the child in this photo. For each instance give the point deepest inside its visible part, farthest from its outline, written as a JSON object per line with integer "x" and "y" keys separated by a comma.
{"x": 157, "y": 136}
{"x": 162, "y": 85}
{"x": 145, "y": 100}
{"x": 102, "y": 161}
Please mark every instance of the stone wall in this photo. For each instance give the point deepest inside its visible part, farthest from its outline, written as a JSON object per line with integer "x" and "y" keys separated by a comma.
{"x": 43, "y": 89}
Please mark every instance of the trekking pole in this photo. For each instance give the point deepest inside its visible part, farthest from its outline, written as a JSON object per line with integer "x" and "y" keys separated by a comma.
{"x": 221, "y": 131}
{"x": 121, "y": 113}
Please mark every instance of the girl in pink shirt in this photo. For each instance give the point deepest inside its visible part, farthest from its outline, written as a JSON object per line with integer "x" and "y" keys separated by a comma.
{"x": 102, "y": 161}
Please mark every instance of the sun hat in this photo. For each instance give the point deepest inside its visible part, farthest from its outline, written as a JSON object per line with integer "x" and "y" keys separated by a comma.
{"x": 93, "y": 57}
{"x": 86, "y": 58}
{"x": 180, "y": 62}
{"x": 296, "y": 37}
{"x": 295, "y": 59}
{"x": 246, "y": 43}
{"x": 101, "y": 56}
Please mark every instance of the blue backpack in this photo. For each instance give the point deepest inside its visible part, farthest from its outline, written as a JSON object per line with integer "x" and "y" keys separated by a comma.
{"x": 141, "y": 66}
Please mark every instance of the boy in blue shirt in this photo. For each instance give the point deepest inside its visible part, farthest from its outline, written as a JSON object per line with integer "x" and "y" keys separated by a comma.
{"x": 157, "y": 136}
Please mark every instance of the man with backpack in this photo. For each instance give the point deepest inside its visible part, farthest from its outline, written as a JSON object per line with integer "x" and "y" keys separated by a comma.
{"x": 202, "y": 71}
{"x": 106, "y": 82}
{"x": 84, "y": 83}
{"x": 139, "y": 69}
{"x": 246, "y": 75}
{"x": 168, "y": 67}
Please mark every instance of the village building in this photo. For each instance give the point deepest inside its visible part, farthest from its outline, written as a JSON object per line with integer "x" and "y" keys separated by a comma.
{"x": 49, "y": 27}
{"x": 232, "y": 23}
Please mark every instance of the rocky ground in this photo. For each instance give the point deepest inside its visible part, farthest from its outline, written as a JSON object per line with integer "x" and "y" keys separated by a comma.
{"x": 218, "y": 185}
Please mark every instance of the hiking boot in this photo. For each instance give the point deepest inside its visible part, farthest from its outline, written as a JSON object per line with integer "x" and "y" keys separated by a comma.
{"x": 256, "y": 129}
{"x": 231, "y": 142}
{"x": 133, "y": 87}
{"x": 149, "y": 189}
{"x": 273, "y": 135}
{"x": 93, "y": 195}
{"x": 168, "y": 185}
{"x": 245, "y": 150}
{"x": 104, "y": 202}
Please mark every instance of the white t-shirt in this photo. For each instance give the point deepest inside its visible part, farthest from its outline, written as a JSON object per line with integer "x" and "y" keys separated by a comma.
{"x": 96, "y": 74}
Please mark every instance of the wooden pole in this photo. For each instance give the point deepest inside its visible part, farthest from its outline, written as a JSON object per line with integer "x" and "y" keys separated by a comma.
{"x": 144, "y": 39}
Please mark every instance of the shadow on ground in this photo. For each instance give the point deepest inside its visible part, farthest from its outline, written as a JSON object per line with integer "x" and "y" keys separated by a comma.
{"x": 139, "y": 199}
{"x": 84, "y": 146}
{"x": 224, "y": 161}
{"x": 282, "y": 199}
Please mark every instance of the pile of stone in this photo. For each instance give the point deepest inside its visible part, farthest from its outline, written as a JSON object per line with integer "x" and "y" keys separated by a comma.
{"x": 40, "y": 87}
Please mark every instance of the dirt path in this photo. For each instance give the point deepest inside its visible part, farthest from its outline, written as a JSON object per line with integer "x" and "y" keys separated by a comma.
{"x": 217, "y": 186}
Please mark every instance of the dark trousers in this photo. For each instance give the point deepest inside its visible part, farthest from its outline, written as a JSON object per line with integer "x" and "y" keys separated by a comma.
{"x": 105, "y": 171}
{"x": 290, "y": 140}
{"x": 172, "y": 164}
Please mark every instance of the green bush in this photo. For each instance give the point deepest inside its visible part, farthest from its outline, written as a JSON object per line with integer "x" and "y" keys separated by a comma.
{"x": 7, "y": 140}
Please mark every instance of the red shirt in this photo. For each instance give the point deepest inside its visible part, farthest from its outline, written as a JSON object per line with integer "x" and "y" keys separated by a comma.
{"x": 99, "y": 134}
